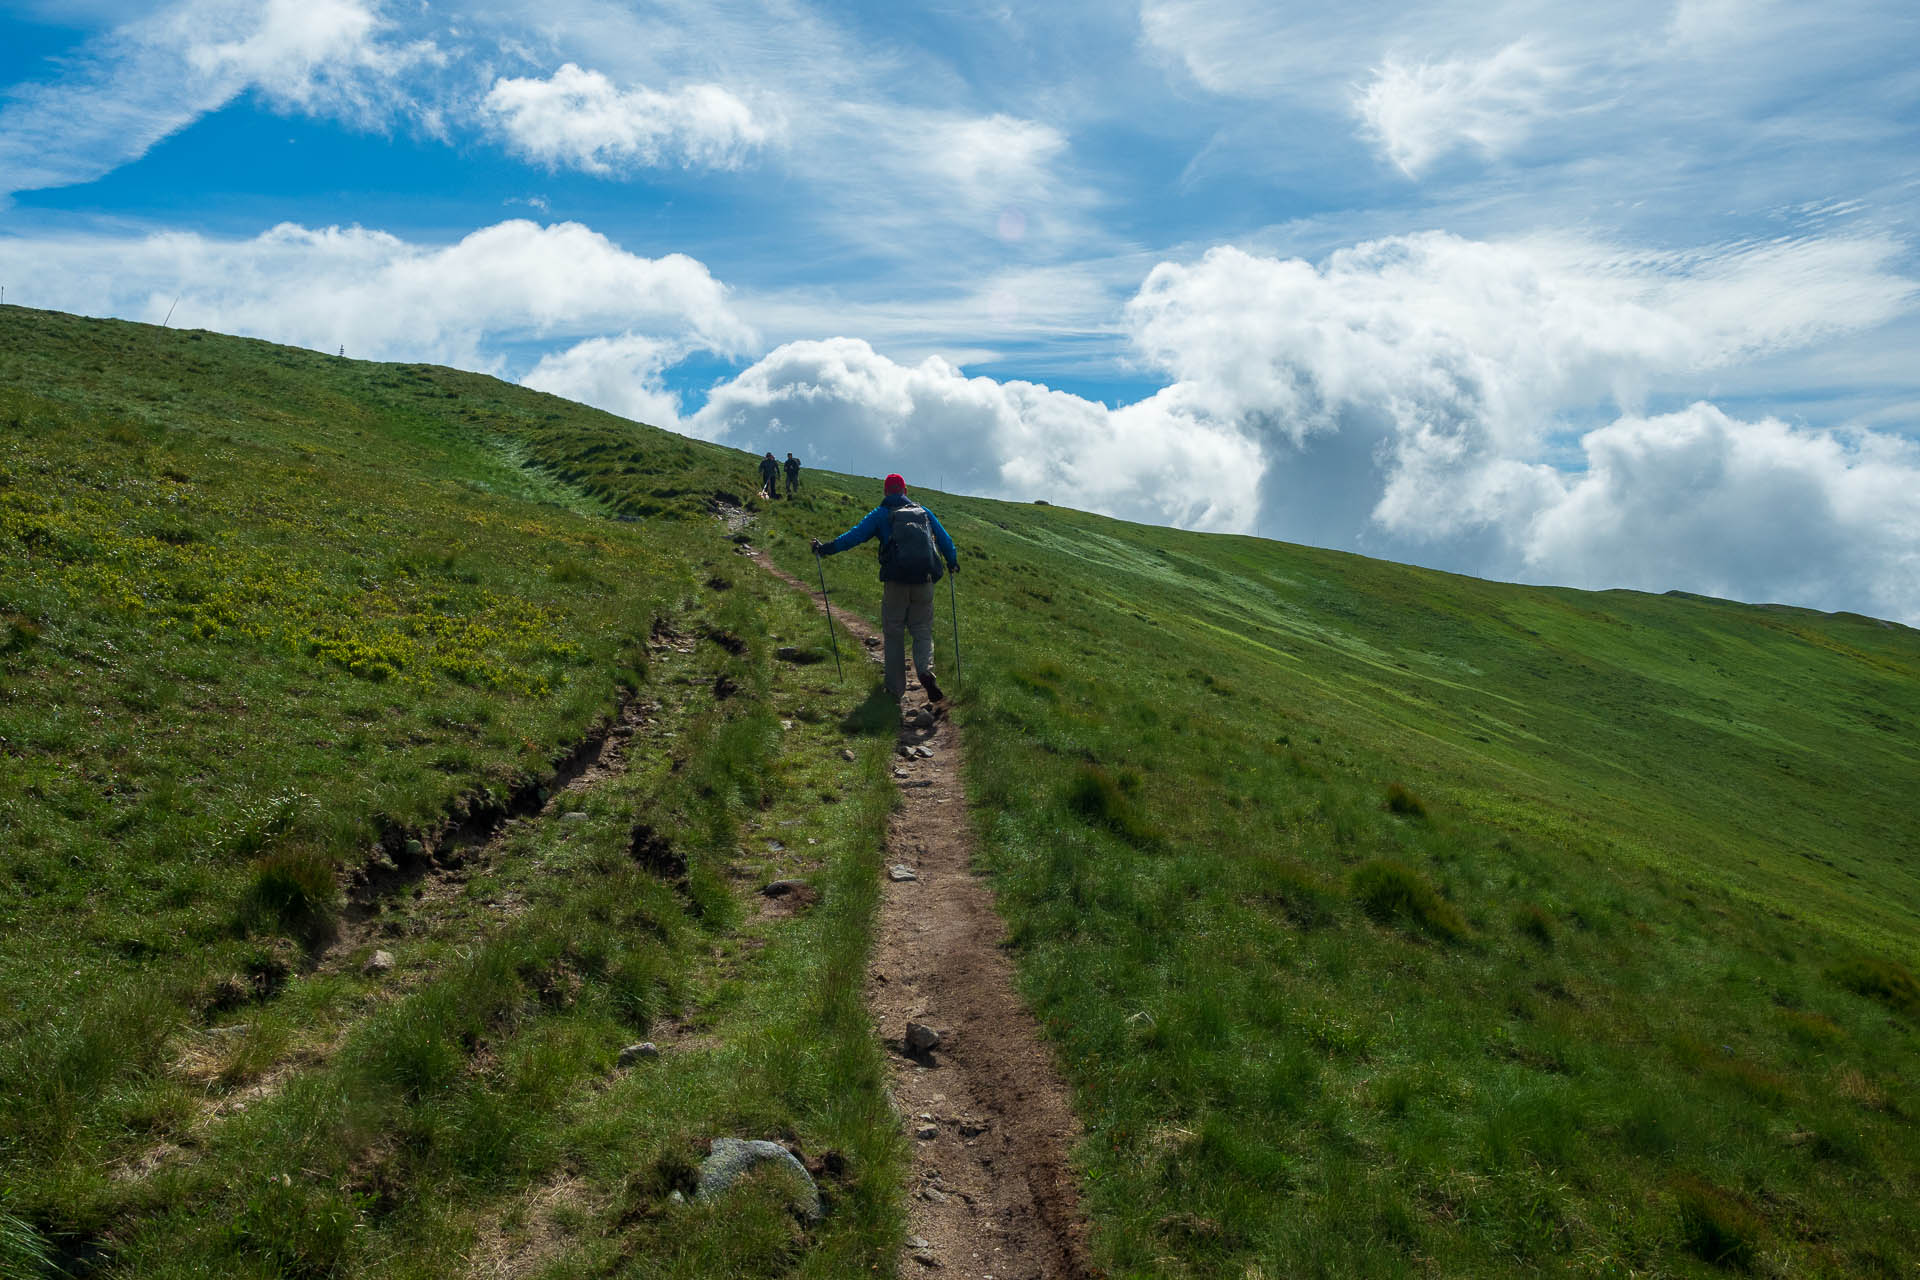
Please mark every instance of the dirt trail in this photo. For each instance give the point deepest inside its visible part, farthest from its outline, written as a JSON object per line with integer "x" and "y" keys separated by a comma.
{"x": 992, "y": 1195}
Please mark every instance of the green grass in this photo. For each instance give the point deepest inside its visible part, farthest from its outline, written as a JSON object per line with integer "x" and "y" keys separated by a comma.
{"x": 271, "y": 619}
{"x": 1481, "y": 929}
{"x": 1385, "y": 922}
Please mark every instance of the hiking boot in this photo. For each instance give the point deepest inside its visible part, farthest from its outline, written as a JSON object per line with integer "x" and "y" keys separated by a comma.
{"x": 932, "y": 689}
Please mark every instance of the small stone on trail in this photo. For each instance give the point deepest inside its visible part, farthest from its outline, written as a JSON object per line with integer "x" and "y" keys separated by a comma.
{"x": 900, "y": 872}
{"x": 924, "y": 753}
{"x": 921, "y": 1038}
{"x": 917, "y": 1242}
{"x": 927, "y": 1132}
{"x": 899, "y": 773}
{"x": 776, "y": 846}
{"x": 846, "y": 753}
{"x": 635, "y": 1052}
{"x": 378, "y": 962}
{"x": 573, "y": 816}
{"x": 933, "y": 1195}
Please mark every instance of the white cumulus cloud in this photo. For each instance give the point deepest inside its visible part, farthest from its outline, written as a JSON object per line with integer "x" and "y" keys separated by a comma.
{"x": 839, "y": 399}
{"x": 1417, "y": 397}
{"x": 384, "y": 297}
{"x": 1419, "y": 113}
{"x": 622, "y": 375}
{"x": 1704, "y": 502}
{"x": 580, "y": 119}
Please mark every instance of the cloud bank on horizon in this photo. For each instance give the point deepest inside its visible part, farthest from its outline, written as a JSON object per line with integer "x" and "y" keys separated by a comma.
{"x": 1610, "y": 300}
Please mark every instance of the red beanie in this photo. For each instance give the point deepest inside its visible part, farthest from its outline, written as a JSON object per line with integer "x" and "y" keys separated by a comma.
{"x": 896, "y": 485}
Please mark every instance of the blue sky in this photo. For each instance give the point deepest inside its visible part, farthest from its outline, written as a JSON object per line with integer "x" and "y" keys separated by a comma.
{"x": 1622, "y": 296}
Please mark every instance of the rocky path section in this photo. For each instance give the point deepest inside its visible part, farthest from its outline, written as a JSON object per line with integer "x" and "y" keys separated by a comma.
{"x": 992, "y": 1195}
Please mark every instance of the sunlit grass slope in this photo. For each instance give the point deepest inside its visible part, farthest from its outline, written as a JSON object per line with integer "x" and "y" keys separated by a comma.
{"x": 264, "y": 613}
{"x": 1393, "y": 923}
{"x": 1387, "y": 922}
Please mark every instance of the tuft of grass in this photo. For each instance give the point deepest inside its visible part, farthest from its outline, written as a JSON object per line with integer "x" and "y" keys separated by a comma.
{"x": 1715, "y": 1225}
{"x": 293, "y": 891}
{"x": 17, "y": 633}
{"x": 1404, "y": 802}
{"x": 1302, "y": 896}
{"x": 1890, "y": 983}
{"x": 295, "y": 1228}
{"x": 1532, "y": 922}
{"x": 1813, "y": 1029}
{"x": 23, "y": 1250}
{"x": 1393, "y": 893}
{"x": 1106, "y": 801}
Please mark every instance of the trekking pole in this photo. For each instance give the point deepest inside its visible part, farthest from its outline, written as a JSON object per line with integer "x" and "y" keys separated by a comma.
{"x": 953, "y": 601}
{"x": 837, "y": 672}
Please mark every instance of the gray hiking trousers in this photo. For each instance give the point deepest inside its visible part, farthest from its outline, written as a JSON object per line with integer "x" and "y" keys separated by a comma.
{"x": 906, "y": 606}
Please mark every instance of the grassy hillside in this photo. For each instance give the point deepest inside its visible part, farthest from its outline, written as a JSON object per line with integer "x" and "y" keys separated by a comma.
{"x": 1386, "y": 922}
{"x": 284, "y": 637}
{"x": 1392, "y": 922}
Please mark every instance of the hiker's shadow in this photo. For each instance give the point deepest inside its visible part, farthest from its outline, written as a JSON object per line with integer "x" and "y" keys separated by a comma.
{"x": 877, "y": 717}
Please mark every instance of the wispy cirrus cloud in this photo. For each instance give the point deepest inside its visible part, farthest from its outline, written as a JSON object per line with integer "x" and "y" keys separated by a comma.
{"x": 580, "y": 119}
{"x": 1645, "y": 97}
{"x": 129, "y": 89}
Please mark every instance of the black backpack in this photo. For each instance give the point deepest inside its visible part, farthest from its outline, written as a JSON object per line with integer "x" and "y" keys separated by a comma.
{"x": 908, "y": 553}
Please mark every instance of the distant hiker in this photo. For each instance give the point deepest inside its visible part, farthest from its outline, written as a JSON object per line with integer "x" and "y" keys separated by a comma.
{"x": 912, "y": 546}
{"x": 769, "y": 476}
{"x": 793, "y": 473}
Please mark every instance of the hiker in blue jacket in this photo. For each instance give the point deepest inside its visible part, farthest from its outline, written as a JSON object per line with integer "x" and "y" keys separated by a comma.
{"x": 912, "y": 547}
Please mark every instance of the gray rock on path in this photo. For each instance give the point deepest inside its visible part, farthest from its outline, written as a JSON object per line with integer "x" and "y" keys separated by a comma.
{"x": 899, "y": 871}
{"x": 921, "y": 1038}
{"x": 846, "y": 753}
{"x": 732, "y": 1158}
{"x": 377, "y": 963}
{"x": 636, "y": 1052}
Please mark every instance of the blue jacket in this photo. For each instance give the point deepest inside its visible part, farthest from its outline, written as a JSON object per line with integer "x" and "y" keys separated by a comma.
{"x": 875, "y": 525}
